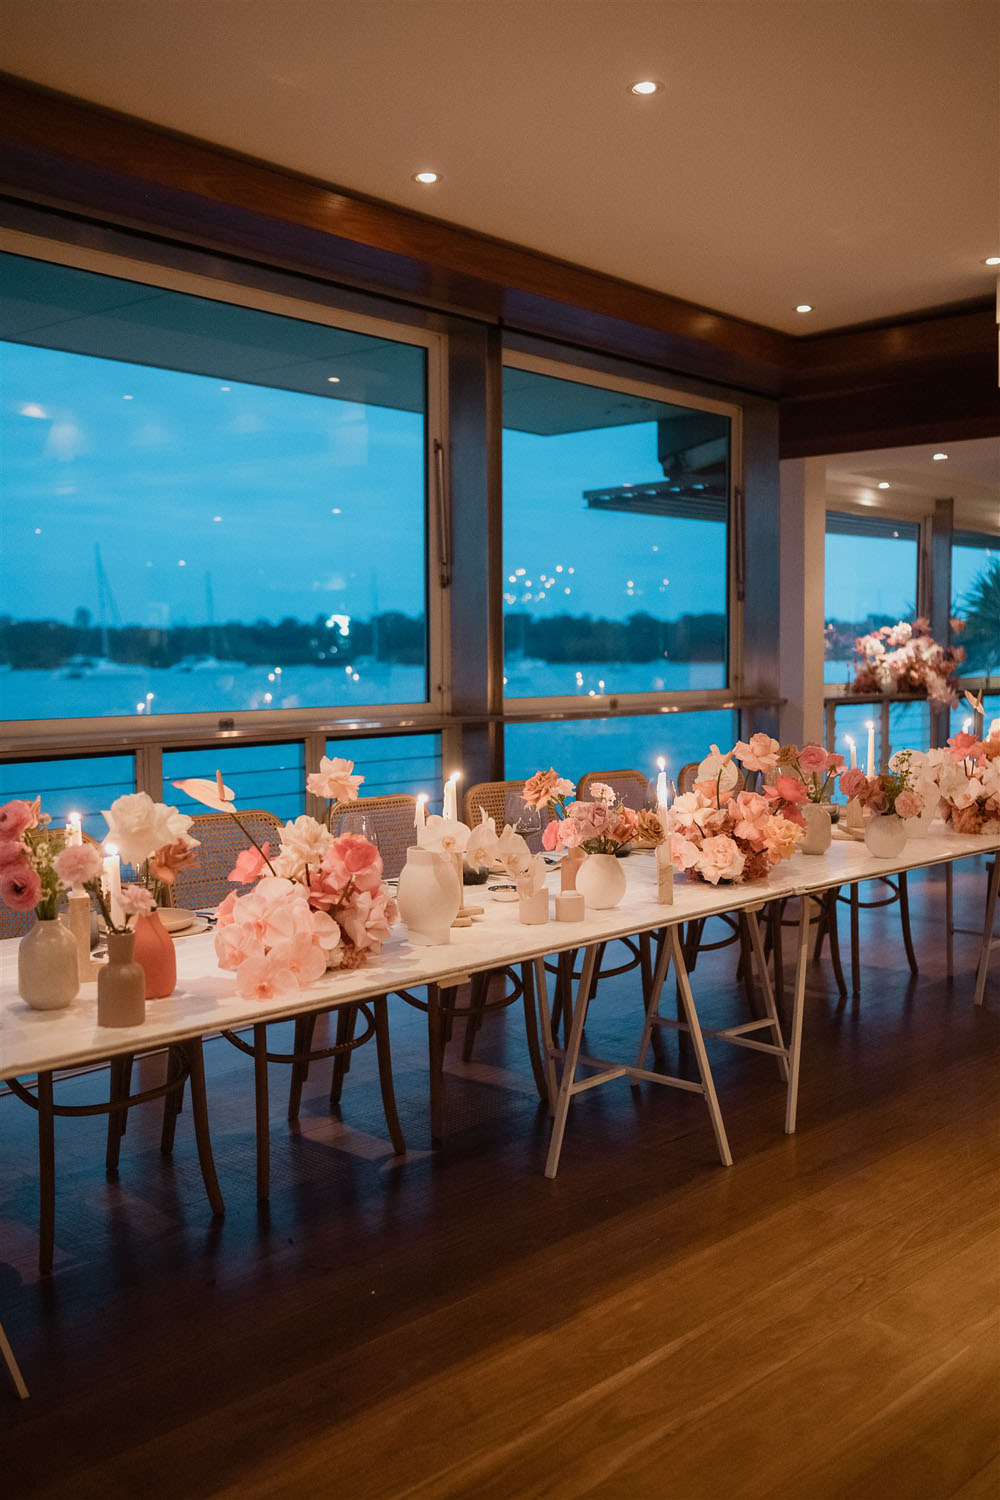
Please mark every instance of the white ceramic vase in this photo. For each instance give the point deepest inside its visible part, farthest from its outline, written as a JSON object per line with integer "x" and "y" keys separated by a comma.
{"x": 429, "y": 896}
{"x": 920, "y": 826}
{"x": 885, "y": 835}
{"x": 601, "y": 881}
{"x": 47, "y": 974}
{"x": 819, "y": 830}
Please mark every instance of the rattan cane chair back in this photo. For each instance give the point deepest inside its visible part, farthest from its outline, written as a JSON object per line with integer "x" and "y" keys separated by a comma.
{"x": 222, "y": 840}
{"x": 491, "y": 797}
{"x": 394, "y": 818}
{"x": 629, "y": 786}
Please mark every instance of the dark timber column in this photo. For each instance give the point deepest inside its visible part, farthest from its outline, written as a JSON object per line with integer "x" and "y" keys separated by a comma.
{"x": 475, "y": 615}
{"x": 761, "y": 549}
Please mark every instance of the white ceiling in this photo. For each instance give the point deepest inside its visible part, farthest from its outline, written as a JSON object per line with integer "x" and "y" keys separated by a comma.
{"x": 970, "y": 476}
{"x": 838, "y": 152}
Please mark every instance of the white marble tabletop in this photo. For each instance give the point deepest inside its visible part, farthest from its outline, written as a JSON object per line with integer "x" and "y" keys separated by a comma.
{"x": 206, "y": 999}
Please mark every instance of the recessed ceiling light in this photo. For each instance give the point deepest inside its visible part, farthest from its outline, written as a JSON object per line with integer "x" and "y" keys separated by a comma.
{"x": 992, "y": 260}
{"x": 883, "y": 484}
{"x": 427, "y": 177}
{"x": 939, "y": 457}
{"x": 333, "y": 379}
{"x": 646, "y": 86}
{"x": 804, "y": 307}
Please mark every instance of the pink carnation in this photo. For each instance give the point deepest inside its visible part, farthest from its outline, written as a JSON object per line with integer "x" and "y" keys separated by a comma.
{"x": 77, "y": 863}
{"x": 20, "y": 888}
{"x": 813, "y": 759}
{"x": 909, "y": 805}
{"x": 136, "y": 901}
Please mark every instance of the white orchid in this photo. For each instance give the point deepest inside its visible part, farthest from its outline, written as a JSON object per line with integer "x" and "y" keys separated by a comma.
{"x": 445, "y": 835}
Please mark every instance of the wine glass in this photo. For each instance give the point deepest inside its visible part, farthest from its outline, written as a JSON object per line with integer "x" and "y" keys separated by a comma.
{"x": 361, "y": 824}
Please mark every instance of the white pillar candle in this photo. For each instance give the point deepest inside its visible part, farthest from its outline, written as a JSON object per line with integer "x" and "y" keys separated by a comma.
{"x": 966, "y": 726}
{"x": 111, "y": 881}
{"x": 853, "y": 751}
{"x": 450, "y": 808}
{"x": 871, "y": 748}
{"x": 661, "y": 781}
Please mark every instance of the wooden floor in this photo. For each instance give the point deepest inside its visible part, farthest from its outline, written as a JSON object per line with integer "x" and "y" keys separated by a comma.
{"x": 817, "y": 1323}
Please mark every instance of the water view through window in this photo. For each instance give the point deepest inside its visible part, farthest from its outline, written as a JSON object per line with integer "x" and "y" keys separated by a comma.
{"x": 871, "y": 581}
{"x": 615, "y": 541}
{"x": 205, "y": 508}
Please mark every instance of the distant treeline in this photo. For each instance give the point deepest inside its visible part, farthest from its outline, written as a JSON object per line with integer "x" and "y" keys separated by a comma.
{"x": 391, "y": 637}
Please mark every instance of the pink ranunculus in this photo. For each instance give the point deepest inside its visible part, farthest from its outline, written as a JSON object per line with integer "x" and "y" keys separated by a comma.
{"x": 835, "y": 762}
{"x": 136, "y": 901}
{"x": 17, "y": 817}
{"x": 909, "y": 805}
{"x": 852, "y": 782}
{"x": 12, "y": 854}
{"x": 20, "y": 888}
{"x": 721, "y": 859}
{"x": 812, "y": 759}
{"x": 249, "y": 864}
{"x": 264, "y": 979}
{"x": 334, "y": 781}
{"x": 77, "y": 863}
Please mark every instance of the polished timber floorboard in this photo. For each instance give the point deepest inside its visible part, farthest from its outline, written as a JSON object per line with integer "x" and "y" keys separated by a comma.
{"x": 817, "y": 1323}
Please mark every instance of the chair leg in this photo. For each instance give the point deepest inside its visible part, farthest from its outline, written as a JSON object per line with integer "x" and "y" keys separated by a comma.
{"x": 904, "y": 918}
{"x": 171, "y": 1102}
{"x": 380, "y": 1010}
{"x": 199, "y": 1115}
{"x": 347, "y": 1016}
{"x": 834, "y": 936}
{"x": 435, "y": 1059}
{"x": 303, "y": 1036}
{"x": 262, "y": 1112}
{"x": 7, "y": 1355}
{"x": 46, "y": 1175}
{"x": 855, "y": 942}
{"x": 121, "y": 1073}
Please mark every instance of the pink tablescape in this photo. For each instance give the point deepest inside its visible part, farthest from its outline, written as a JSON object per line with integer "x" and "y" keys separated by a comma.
{"x": 966, "y": 775}
{"x": 598, "y": 828}
{"x": 905, "y": 658}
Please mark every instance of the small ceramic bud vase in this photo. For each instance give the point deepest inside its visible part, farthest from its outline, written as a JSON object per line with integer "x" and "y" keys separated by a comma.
{"x": 47, "y": 974}
{"x": 885, "y": 835}
{"x": 429, "y": 895}
{"x": 156, "y": 956}
{"x": 602, "y": 881}
{"x": 121, "y": 984}
{"x": 533, "y": 909}
{"x": 819, "y": 829}
{"x": 569, "y": 869}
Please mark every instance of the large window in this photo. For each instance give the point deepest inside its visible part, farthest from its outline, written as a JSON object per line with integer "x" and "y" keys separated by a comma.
{"x": 871, "y": 580}
{"x": 627, "y": 742}
{"x": 206, "y": 507}
{"x": 615, "y": 540}
{"x": 975, "y": 592}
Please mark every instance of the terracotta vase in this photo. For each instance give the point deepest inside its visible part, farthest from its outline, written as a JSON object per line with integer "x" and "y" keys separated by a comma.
{"x": 601, "y": 881}
{"x": 885, "y": 835}
{"x": 47, "y": 974}
{"x": 155, "y": 953}
{"x": 121, "y": 984}
{"x": 819, "y": 830}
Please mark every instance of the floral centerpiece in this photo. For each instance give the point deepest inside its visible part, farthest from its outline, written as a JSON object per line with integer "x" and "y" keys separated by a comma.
{"x": 905, "y": 658}
{"x": 967, "y": 777}
{"x": 154, "y": 839}
{"x": 599, "y": 826}
{"x": 892, "y": 791}
{"x": 721, "y": 832}
{"x": 815, "y": 768}
{"x": 317, "y": 903}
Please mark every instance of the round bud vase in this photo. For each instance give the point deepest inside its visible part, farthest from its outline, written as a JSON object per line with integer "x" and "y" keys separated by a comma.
{"x": 156, "y": 955}
{"x": 429, "y": 895}
{"x": 121, "y": 984}
{"x": 601, "y": 881}
{"x": 819, "y": 830}
{"x": 920, "y": 826}
{"x": 47, "y": 977}
{"x": 885, "y": 835}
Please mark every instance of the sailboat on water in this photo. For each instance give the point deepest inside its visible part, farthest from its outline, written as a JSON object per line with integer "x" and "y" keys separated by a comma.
{"x": 82, "y": 665}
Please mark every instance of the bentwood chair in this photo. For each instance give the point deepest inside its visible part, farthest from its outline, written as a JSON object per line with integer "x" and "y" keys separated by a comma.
{"x": 222, "y": 840}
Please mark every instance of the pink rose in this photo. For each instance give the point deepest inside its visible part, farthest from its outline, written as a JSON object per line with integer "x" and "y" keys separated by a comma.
{"x": 852, "y": 782}
{"x": 351, "y": 857}
{"x": 17, "y": 816}
{"x": 249, "y": 864}
{"x": 77, "y": 863}
{"x": 909, "y": 805}
{"x": 721, "y": 859}
{"x": 812, "y": 759}
{"x": 20, "y": 888}
{"x": 334, "y": 781}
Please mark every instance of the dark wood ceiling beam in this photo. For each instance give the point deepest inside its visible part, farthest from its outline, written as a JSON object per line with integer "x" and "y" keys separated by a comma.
{"x": 834, "y": 387}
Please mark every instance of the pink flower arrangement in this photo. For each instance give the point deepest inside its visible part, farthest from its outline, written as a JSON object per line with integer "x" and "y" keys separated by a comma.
{"x": 29, "y": 880}
{"x": 967, "y": 777}
{"x": 892, "y": 791}
{"x": 905, "y": 658}
{"x": 719, "y": 832}
{"x": 319, "y": 904}
{"x": 806, "y": 774}
{"x": 600, "y": 826}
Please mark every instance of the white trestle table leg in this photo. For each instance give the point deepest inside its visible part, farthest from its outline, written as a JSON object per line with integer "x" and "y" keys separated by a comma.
{"x": 698, "y": 1041}
{"x": 11, "y": 1363}
{"x": 570, "y": 1060}
{"x": 548, "y": 1046}
{"x": 989, "y": 941}
{"x": 767, "y": 988}
{"x": 807, "y": 904}
{"x": 653, "y": 1003}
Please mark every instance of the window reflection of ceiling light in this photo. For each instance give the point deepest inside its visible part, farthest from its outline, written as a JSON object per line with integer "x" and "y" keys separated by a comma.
{"x": 646, "y": 86}
{"x": 939, "y": 457}
{"x": 883, "y": 484}
{"x": 427, "y": 177}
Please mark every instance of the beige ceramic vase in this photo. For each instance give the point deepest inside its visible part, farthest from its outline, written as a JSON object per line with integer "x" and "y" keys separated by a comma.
{"x": 121, "y": 984}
